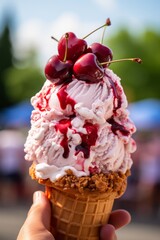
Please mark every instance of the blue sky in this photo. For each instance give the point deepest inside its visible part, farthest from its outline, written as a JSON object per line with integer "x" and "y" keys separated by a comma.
{"x": 37, "y": 20}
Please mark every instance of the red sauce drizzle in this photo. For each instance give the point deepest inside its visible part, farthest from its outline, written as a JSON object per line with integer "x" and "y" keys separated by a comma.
{"x": 65, "y": 99}
{"x": 116, "y": 96}
{"x": 115, "y": 93}
{"x": 117, "y": 127}
{"x": 63, "y": 126}
{"x": 88, "y": 139}
{"x": 42, "y": 104}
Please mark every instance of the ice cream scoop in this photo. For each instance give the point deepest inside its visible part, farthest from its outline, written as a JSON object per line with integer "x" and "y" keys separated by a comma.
{"x": 80, "y": 126}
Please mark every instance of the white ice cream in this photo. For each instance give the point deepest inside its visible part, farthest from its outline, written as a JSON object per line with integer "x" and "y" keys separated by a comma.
{"x": 69, "y": 118}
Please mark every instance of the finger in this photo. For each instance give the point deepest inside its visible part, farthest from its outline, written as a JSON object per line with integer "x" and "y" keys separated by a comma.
{"x": 108, "y": 232}
{"x": 119, "y": 218}
{"x": 37, "y": 224}
{"x": 40, "y": 211}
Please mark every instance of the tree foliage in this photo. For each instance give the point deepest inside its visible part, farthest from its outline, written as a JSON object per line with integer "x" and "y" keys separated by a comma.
{"x": 16, "y": 83}
{"x": 139, "y": 81}
{"x": 5, "y": 62}
{"x": 23, "y": 83}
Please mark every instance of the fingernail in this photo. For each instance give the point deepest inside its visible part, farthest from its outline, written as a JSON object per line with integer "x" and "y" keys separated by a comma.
{"x": 37, "y": 196}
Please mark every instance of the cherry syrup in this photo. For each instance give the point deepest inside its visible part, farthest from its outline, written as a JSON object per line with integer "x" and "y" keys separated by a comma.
{"x": 117, "y": 127}
{"x": 116, "y": 96}
{"x": 65, "y": 99}
{"x": 88, "y": 139}
{"x": 63, "y": 126}
{"x": 42, "y": 104}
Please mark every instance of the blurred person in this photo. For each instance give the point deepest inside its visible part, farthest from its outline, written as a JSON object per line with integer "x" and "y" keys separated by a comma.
{"x": 40, "y": 213}
{"x": 148, "y": 178}
{"x": 11, "y": 165}
{"x": 156, "y": 193}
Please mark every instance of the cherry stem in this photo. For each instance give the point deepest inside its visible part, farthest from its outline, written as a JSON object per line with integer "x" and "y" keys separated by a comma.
{"x": 107, "y": 23}
{"x": 55, "y": 39}
{"x": 102, "y": 39}
{"x": 66, "y": 49}
{"x": 138, "y": 60}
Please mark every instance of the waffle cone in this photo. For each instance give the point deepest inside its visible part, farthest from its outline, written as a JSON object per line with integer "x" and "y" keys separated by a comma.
{"x": 80, "y": 206}
{"x": 78, "y": 216}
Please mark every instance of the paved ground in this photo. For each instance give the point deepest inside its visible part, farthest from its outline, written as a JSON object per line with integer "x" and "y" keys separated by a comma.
{"x": 11, "y": 220}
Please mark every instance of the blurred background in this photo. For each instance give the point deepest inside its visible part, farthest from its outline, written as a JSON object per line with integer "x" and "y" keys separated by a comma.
{"x": 26, "y": 28}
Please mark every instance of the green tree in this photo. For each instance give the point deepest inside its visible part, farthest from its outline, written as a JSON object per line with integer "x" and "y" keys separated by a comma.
{"x": 19, "y": 78}
{"x": 140, "y": 81}
{"x": 22, "y": 84}
{"x": 5, "y": 62}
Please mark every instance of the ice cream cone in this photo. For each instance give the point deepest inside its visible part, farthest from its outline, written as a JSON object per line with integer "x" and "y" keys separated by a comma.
{"x": 79, "y": 215}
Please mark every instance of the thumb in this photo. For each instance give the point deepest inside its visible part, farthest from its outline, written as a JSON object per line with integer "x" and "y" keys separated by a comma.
{"x": 37, "y": 224}
{"x": 40, "y": 212}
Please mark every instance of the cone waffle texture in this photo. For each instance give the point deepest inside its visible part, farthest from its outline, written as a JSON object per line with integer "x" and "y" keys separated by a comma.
{"x": 79, "y": 216}
{"x": 80, "y": 206}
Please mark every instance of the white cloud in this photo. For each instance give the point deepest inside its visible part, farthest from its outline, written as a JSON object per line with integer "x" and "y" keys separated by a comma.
{"x": 65, "y": 23}
{"x": 71, "y": 22}
{"x": 29, "y": 35}
{"x": 37, "y": 34}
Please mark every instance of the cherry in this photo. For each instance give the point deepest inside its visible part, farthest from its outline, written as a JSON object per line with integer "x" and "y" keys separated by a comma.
{"x": 103, "y": 53}
{"x": 76, "y": 47}
{"x": 87, "y": 68}
{"x": 57, "y": 70}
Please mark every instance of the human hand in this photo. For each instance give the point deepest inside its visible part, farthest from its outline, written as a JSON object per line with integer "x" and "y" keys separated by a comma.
{"x": 37, "y": 224}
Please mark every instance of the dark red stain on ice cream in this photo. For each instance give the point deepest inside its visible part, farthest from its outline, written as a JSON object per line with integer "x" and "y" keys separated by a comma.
{"x": 65, "y": 99}
{"x": 88, "y": 139}
{"x": 63, "y": 126}
{"x": 43, "y": 100}
{"x": 117, "y": 127}
{"x": 116, "y": 93}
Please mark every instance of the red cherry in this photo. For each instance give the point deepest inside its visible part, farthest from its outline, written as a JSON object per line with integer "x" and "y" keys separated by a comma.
{"x": 57, "y": 70}
{"x": 87, "y": 68}
{"x": 103, "y": 53}
{"x": 76, "y": 47}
